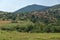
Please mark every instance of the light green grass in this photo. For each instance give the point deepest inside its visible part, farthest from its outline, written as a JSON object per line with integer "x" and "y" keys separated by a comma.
{"x": 4, "y": 35}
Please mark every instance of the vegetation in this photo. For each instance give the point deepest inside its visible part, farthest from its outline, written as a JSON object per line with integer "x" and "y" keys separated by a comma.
{"x": 38, "y": 22}
{"x": 4, "y": 35}
{"x": 33, "y": 25}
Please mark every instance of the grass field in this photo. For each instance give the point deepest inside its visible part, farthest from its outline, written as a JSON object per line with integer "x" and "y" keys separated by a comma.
{"x": 4, "y": 35}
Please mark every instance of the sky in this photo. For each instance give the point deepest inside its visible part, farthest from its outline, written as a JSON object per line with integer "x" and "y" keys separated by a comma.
{"x": 13, "y": 5}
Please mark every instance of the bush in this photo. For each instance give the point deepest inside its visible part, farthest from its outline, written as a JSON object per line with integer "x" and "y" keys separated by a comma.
{"x": 7, "y": 29}
{"x": 14, "y": 21}
{"x": 37, "y": 28}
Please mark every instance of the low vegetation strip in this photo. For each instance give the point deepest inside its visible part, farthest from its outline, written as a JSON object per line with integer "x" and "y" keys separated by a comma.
{"x": 4, "y": 22}
{"x": 14, "y": 35}
{"x": 29, "y": 27}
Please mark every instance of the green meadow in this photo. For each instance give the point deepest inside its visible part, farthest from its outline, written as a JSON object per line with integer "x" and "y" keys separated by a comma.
{"x": 14, "y": 35}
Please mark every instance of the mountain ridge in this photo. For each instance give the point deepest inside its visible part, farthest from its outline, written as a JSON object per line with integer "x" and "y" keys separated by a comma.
{"x": 30, "y": 8}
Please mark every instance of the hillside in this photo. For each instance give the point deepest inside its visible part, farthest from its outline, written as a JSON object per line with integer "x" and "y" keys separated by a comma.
{"x": 47, "y": 20}
{"x": 31, "y": 8}
{"x": 36, "y": 7}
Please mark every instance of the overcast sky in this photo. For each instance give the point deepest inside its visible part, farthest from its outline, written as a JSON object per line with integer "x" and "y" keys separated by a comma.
{"x": 13, "y": 5}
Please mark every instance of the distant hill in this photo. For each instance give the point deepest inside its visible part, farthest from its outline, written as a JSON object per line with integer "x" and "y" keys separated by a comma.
{"x": 55, "y": 7}
{"x": 30, "y": 8}
{"x": 36, "y": 7}
{"x": 2, "y": 12}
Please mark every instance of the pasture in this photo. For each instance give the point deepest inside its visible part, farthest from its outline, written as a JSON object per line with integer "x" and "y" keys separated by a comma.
{"x": 4, "y": 35}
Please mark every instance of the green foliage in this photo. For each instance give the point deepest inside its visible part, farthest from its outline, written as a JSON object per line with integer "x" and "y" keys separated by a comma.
{"x": 36, "y": 21}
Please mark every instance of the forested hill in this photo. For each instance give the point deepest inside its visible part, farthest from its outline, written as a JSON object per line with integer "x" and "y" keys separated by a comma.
{"x": 47, "y": 20}
{"x": 31, "y": 8}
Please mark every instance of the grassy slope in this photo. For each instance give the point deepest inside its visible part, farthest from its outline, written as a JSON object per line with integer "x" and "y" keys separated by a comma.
{"x": 4, "y": 35}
